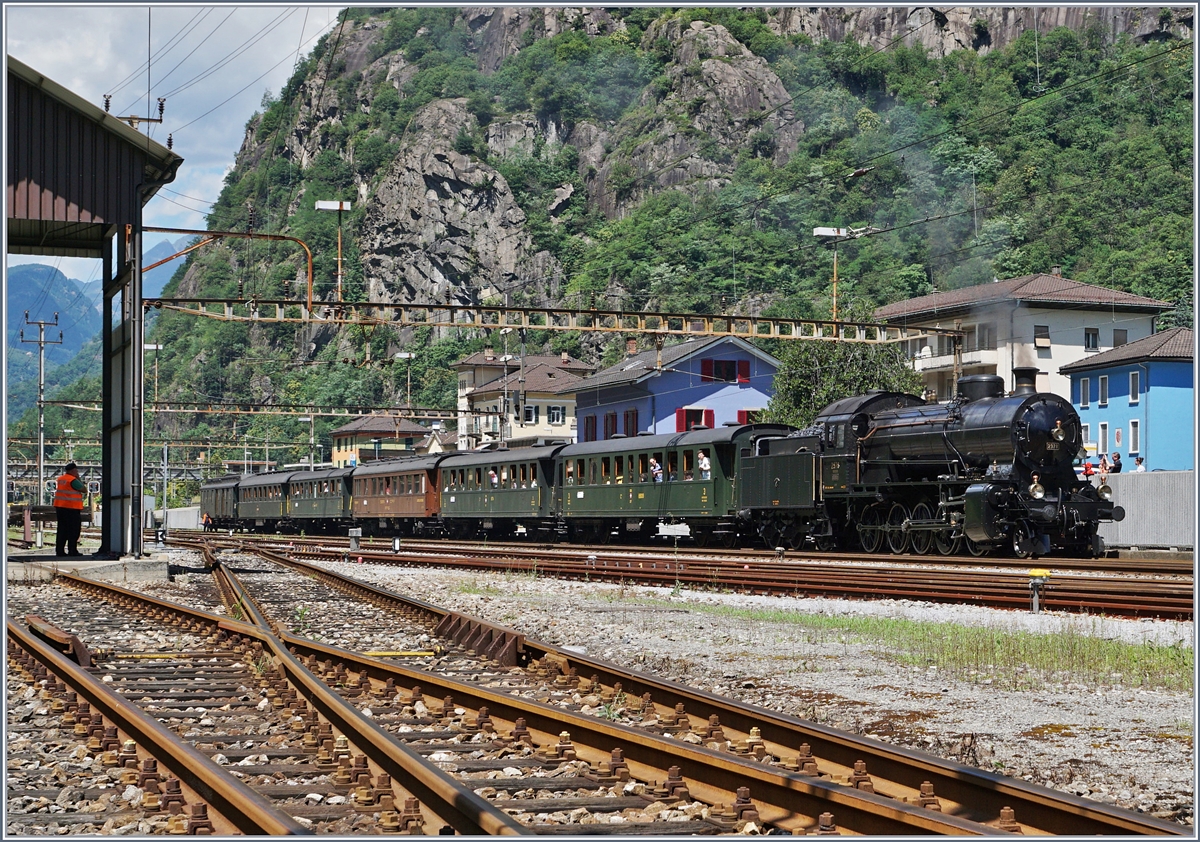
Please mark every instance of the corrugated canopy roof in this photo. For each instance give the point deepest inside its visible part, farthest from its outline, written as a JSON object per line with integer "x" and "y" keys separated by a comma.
{"x": 73, "y": 169}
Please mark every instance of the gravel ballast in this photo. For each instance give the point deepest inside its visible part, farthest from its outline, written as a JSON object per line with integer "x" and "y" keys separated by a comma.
{"x": 1106, "y": 740}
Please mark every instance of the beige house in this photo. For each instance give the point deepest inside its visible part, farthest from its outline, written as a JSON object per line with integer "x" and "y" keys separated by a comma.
{"x": 483, "y": 367}
{"x": 522, "y": 408}
{"x": 1040, "y": 320}
{"x": 371, "y": 437}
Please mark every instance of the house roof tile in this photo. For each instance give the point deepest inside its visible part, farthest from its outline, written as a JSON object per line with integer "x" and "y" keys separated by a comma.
{"x": 1176, "y": 344}
{"x": 541, "y": 378}
{"x": 1052, "y": 290}
{"x": 390, "y": 424}
{"x": 631, "y": 368}
{"x": 480, "y": 358}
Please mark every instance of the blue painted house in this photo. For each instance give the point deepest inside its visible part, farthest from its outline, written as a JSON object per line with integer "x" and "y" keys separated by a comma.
{"x": 1138, "y": 400}
{"x": 700, "y": 381}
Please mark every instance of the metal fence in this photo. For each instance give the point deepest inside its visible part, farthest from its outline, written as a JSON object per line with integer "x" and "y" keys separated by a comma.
{"x": 1160, "y": 510}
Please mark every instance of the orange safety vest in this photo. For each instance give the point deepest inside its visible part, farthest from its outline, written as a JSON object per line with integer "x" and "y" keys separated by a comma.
{"x": 66, "y": 497}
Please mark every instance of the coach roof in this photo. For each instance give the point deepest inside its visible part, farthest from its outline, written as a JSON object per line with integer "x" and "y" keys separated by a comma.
{"x": 395, "y": 466}
{"x": 694, "y": 438}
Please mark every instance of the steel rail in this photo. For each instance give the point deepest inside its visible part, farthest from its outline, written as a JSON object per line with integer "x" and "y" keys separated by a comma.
{"x": 439, "y": 794}
{"x": 713, "y": 776}
{"x": 981, "y": 791}
{"x": 461, "y": 808}
{"x": 1146, "y": 597}
{"x": 237, "y": 806}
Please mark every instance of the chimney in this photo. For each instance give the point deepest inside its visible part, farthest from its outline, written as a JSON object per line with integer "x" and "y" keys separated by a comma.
{"x": 1056, "y": 271}
{"x": 566, "y": 358}
{"x": 489, "y": 354}
{"x": 1025, "y": 380}
{"x": 631, "y": 347}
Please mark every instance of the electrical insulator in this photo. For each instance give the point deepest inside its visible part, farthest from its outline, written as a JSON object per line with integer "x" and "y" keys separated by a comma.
{"x": 161, "y": 106}
{"x": 107, "y": 102}
{"x": 170, "y": 141}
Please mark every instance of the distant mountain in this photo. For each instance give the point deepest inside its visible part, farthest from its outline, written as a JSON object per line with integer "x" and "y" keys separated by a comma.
{"x": 154, "y": 280}
{"x": 42, "y": 291}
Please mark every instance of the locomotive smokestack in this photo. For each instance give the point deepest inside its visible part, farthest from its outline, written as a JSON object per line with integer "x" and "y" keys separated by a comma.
{"x": 1025, "y": 378}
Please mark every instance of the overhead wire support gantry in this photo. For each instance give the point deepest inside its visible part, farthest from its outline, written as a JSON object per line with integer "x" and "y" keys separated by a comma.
{"x": 583, "y": 319}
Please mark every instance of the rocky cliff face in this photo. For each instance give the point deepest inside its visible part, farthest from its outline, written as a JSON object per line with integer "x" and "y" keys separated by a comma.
{"x": 444, "y": 227}
{"x": 720, "y": 98}
{"x": 980, "y": 28}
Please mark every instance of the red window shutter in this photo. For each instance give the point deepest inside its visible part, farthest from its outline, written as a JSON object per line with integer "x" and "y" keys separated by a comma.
{"x": 709, "y": 419}
{"x": 743, "y": 371}
{"x": 706, "y": 371}
{"x": 743, "y": 417}
{"x": 681, "y": 420}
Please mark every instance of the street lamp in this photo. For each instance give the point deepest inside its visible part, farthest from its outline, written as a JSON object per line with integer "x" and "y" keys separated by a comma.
{"x": 311, "y": 421}
{"x": 339, "y": 207}
{"x": 504, "y": 423}
{"x": 408, "y": 358}
{"x": 841, "y": 235}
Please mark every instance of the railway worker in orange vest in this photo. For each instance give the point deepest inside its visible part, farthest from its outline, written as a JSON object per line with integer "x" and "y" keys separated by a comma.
{"x": 68, "y": 507}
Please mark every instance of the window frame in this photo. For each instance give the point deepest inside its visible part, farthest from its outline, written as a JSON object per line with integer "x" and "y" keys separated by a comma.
{"x": 1085, "y": 392}
{"x": 1135, "y": 436}
{"x": 1091, "y": 339}
{"x": 1102, "y": 442}
{"x": 1102, "y": 398}
{"x": 1041, "y": 336}
{"x": 1135, "y": 388}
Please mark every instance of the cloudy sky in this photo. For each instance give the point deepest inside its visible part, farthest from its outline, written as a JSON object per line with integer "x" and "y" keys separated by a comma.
{"x": 212, "y": 63}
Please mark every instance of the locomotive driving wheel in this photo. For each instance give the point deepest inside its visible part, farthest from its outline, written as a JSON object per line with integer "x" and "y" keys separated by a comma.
{"x": 975, "y": 549}
{"x": 919, "y": 538}
{"x": 946, "y": 542}
{"x": 897, "y": 538}
{"x": 870, "y": 529}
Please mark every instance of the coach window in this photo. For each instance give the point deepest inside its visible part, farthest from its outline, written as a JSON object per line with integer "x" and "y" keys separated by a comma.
{"x": 605, "y": 474}
{"x": 643, "y": 468}
{"x": 593, "y": 471}
{"x": 533, "y": 476}
{"x": 689, "y": 465}
{"x": 620, "y": 466}
{"x": 672, "y": 466}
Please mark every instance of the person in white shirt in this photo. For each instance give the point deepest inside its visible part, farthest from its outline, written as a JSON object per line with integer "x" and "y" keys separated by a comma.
{"x": 704, "y": 465}
{"x": 1140, "y": 465}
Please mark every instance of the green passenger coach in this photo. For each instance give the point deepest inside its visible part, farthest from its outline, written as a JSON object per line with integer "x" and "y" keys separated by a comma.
{"x": 649, "y": 485}
{"x": 501, "y": 493}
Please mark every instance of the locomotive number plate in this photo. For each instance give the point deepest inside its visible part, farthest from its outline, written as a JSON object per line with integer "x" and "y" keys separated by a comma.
{"x": 1052, "y": 445}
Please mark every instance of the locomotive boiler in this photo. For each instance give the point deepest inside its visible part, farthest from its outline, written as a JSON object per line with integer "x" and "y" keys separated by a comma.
{"x": 981, "y": 471}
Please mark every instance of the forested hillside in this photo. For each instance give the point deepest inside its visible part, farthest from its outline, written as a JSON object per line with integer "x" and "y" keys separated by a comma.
{"x": 644, "y": 158}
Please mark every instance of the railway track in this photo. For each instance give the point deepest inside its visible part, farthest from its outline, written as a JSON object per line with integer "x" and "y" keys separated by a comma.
{"x": 733, "y": 764}
{"x": 868, "y": 577}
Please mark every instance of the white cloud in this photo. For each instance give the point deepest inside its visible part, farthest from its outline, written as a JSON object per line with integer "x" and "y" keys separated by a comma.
{"x": 95, "y": 50}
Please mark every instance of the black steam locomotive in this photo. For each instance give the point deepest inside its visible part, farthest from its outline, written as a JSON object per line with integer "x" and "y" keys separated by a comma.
{"x": 882, "y": 472}
{"x": 889, "y": 472}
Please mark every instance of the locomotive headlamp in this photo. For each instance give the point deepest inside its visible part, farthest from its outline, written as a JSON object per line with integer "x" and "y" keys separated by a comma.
{"x": 1105, "y": 491}
{"x": 1058, "y": 432}
{"x": 1037, "y": 491}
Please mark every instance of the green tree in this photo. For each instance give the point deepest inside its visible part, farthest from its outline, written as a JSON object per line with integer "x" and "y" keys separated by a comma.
{"x": 816, "y": 373}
